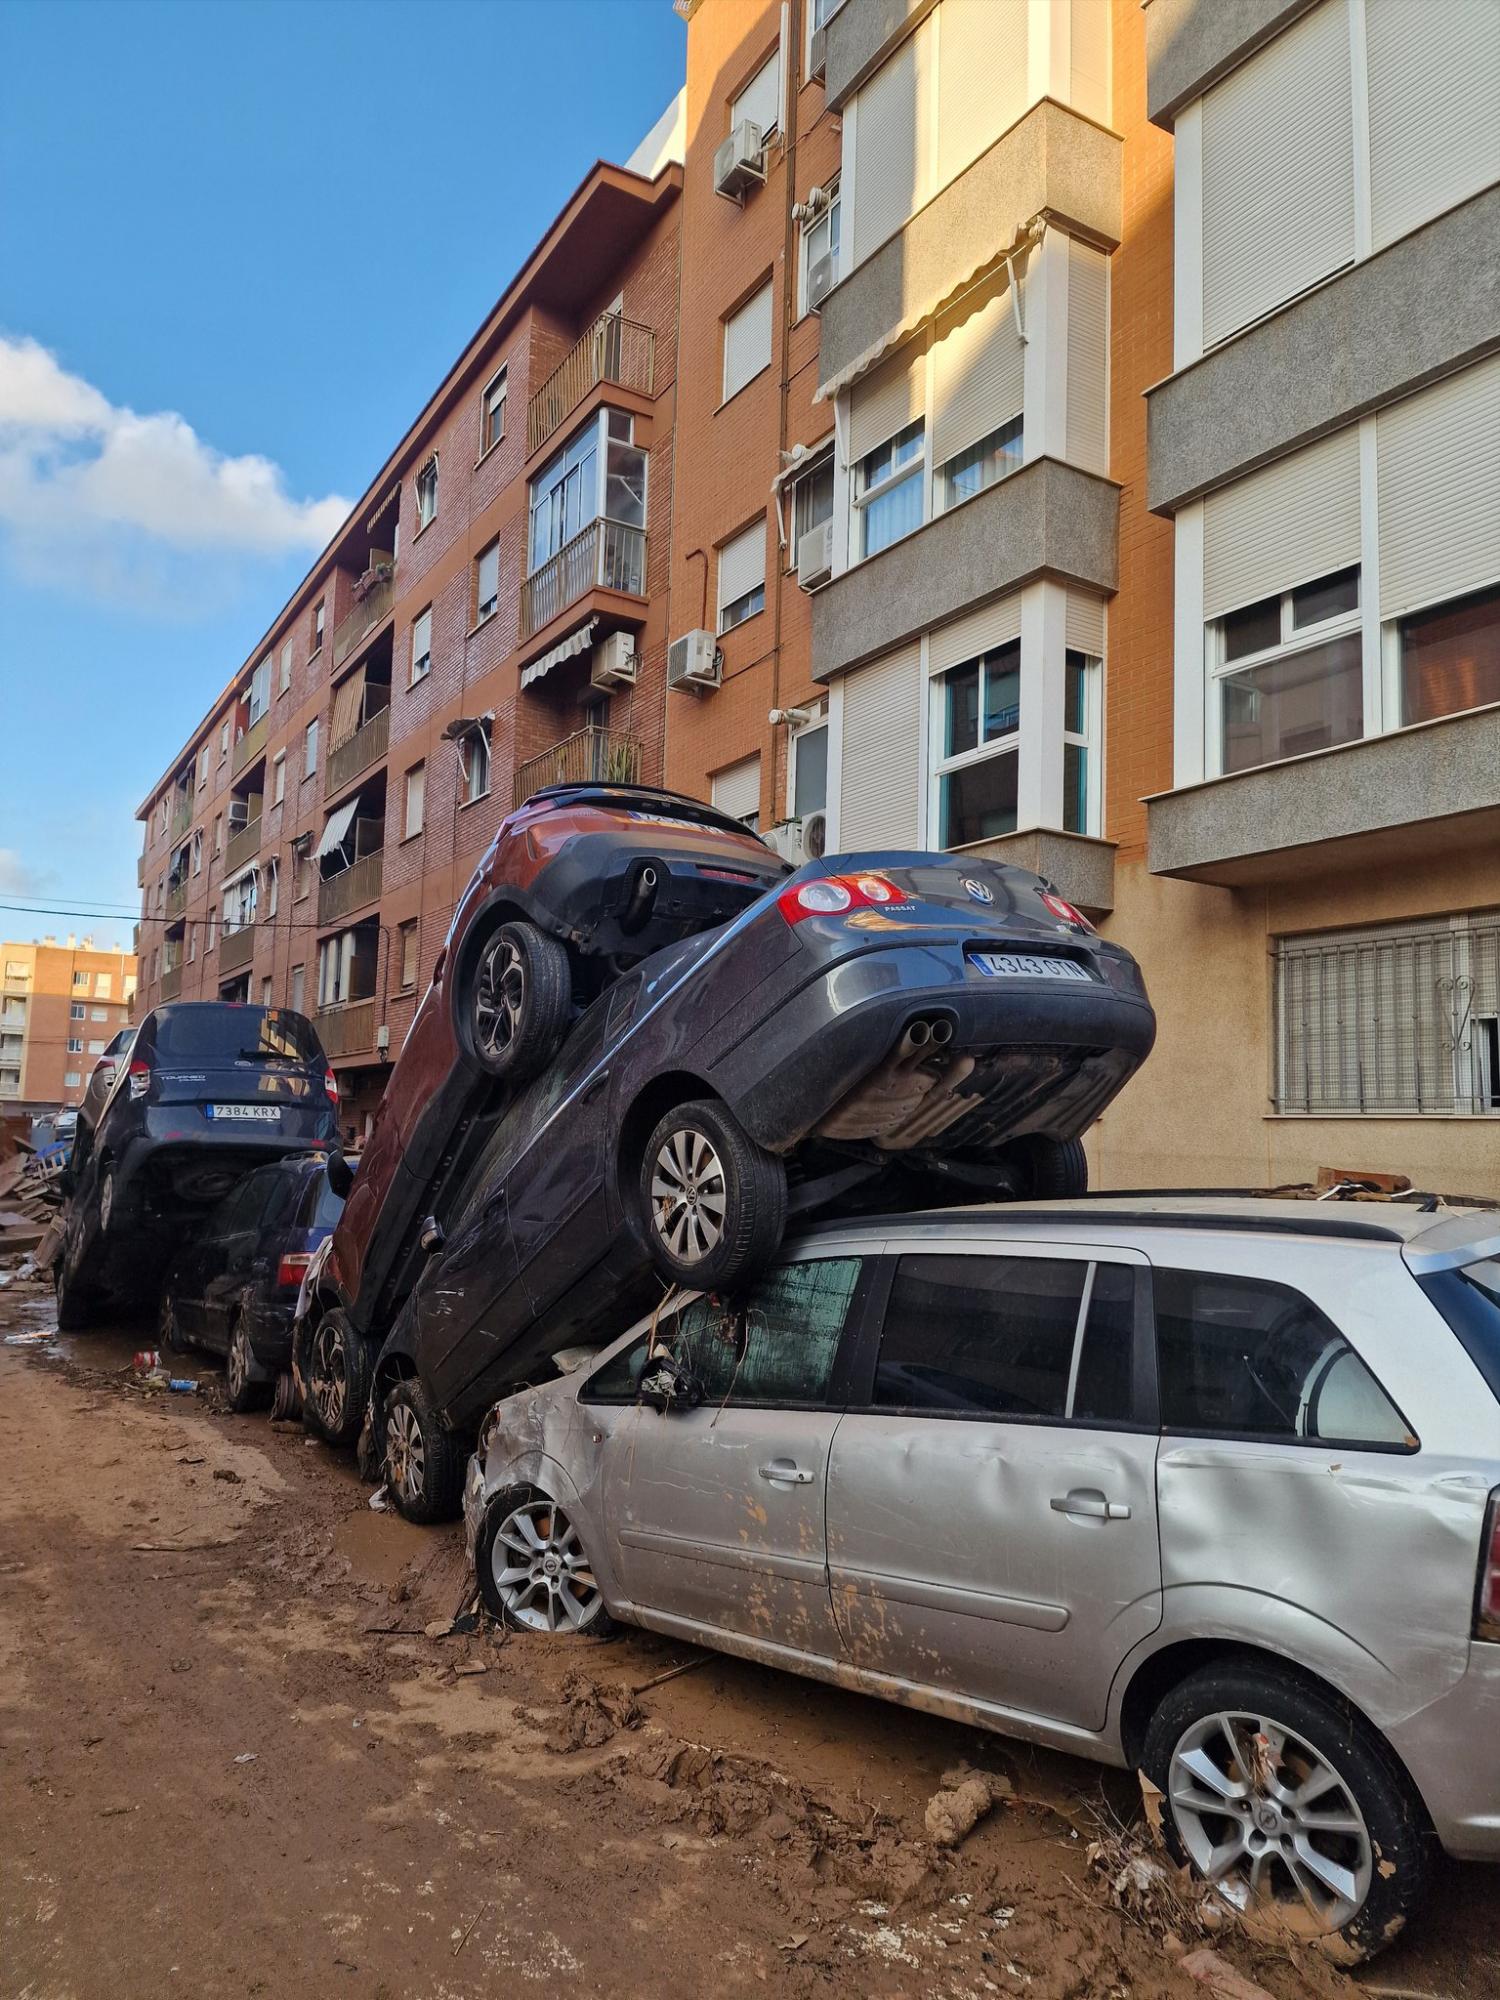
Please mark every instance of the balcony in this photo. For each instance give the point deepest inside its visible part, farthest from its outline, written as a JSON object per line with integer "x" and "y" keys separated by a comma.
{"x": 236, "y": 949}
{"x": 340, "y": 894}
{"x": 171, "y": 982}
{"x": 367, "y": 616}
{"x": 140, "y": 871}
{"x": 589, "y": 756}
{"x": 606, "y": 556}
{"x": 243, "y": 846}
{"x": 346, "y": 1029}
{"x": 182, "y": 817}
{"x": 357, "y": 752}
{"x": 250, "y": 745}
{"x": 176, "y": 901}
{"x": 614, "y": 349}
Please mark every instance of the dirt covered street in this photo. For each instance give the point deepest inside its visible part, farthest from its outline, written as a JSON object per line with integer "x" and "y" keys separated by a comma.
{"x": 233, "y": 1761}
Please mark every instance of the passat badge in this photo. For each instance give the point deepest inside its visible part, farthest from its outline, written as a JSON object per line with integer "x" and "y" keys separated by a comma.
{"x": 980, "y": 891}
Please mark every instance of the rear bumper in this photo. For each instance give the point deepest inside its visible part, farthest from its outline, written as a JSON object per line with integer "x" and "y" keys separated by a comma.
{"x": 269, "y": 1326}
{"x": 1452, "y": 1750}
{"x": 586, "y": 891}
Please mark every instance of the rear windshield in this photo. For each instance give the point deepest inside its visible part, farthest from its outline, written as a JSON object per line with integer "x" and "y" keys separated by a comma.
{"x": 322, "y": 1207}
{"x": 1469, "y": 1299}
{"x": 202, "y": 1034}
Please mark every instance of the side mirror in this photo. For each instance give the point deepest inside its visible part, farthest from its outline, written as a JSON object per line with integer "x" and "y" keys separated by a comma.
{"x": 340, "y": 1175}
{"x": 431, "y": 1238}
{"x": 666, "y": 1385}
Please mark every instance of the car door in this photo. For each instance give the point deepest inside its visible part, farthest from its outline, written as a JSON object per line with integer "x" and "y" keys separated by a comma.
{"x": 716, "y": 1514}
{"x": 228, "y": 1266}
{"x": 992, "y": 1506}
{"x": 555, "y": 1192}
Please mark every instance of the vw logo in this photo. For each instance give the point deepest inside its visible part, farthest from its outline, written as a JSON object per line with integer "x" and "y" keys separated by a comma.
{"x": 980, "y": 891}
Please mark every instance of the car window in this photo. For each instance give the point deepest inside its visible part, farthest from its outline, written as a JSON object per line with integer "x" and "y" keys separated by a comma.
{"x": 1250, "y": 1357}
{"x": 1104, "y": 1392}
{"x": 225, "y": 1033}
{"x": 985, "y": 1336}
{"x": 321, "y": 1207}
{"x": 1469, "y": 1299}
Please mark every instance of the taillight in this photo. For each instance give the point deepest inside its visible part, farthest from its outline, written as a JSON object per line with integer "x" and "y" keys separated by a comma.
{"x": 1487, "y": 1609}
{"x": 836, "y": 895}
{"x": 140, "y": 1079}
{"x": 1061, "y": 907}
{"x": 331, "y": 1085}
{"x": 293, "y": 1266}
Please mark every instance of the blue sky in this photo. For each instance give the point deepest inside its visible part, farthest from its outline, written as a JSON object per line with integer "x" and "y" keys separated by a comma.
{"x": 240, "y": 243}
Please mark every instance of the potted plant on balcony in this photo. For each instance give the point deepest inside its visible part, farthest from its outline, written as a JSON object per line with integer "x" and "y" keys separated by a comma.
{"x": 377, "y": 574}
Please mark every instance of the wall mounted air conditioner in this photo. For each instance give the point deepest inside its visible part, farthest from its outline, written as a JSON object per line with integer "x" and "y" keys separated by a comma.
{"x": 821, "y": 274}
{"x": 817, "y": 54}
{"x": 739, "y": 163}
{"x": 799, "y": 840}
{"x": 815, "y": 555}
{"x": 382, "y": 1040}
{"x": 239, "y": 814}
{"x": 614, "y": 661}
{"x": 693, "y": 661}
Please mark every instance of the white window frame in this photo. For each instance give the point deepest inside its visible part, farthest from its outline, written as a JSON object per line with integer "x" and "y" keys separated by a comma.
{"x": 944, "y": 500}
{"x": 861, "y": 498}
{"x": 278, "y": 777}
{"x": 824, "y": 222}
{"x": 822, "y": 722}
{"x": 223, "y": 745}
{"x": 204, "y": 754}
{"x": 485, "y": 610}
{"x": 1089, "y": 740}
{"x": 411, "y": 940}
{"x": 486, "y": 442}
{"x": 468, "y": 795}
{"x": 310, "y": 750}
{"x": 1293, "y": 640}
{"x": 197, "y": 850}
{"x": 425, "y": 492}
{"x": 940, "y": 766}
{"x": 754, "y": 610}
{"x": 273, "y": 886}
{"x": 287, "y": 652}
{"x": 421, "y": 663}
{"x": 77, "y": 1011}
{"x": 419, "y": 773}
{"x": 319, "y": 616}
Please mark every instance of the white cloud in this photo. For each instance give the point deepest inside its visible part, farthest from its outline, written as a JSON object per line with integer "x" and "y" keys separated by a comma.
{"x": 18, "y": 879}
{"x": 93, "y": 490}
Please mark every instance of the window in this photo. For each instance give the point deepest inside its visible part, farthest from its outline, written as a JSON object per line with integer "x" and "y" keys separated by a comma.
{"x": 812, "y": 502}
{"x": 317, "y": 636}
{"x": 302, "y": 872}
{"x": 98, "y": 1013}
{"x": 487, "y": 583}
{"x": 747, "y": 341}
{"x": 218, "y": 833}
{"x": 823, "y": 11}
{"x": 421, "y": 645}
{"x": 492, "y": 413}
{"x": 736, "y": 791}
{"x": 742, "y": 576}
{"x": 223, "y": 739}
{"x": 1289, "y": 673}
{"x": 286, "y": 667}
{"x": 346, "y": 966}
{"x": 77, "y": 1012}
{"x": 981, "y": 465}
{"x": 17, "y": 971}
{"x": 192, "y": 942}
{"x": 410, "y": 946}
{"x": 80, "y": 982}
{"x": 202, "y": 765}
{"x": 299, "y": 987}
{"x": 416, "y": 792}
{"x": 809, "y": 771}
{"x": 278, "y": 777}
{"x": 198, "y": 851}
{"x": 241, "y": 898}
{"x": 474, "y": 766}
{"x": 976, "y": 725}
{"x": 265, "y": 993}
{"x": 1252, "y": 1358}
{"x": 1450, "y": 657}
{"x": 72, "y": 1079}
{"x": 259, "y": 696}
{"x": 427, "y": 493}
{"x": 310, "y": 749}
{"x": 888, "y": 489}
{"x": 213, "y": 929}
{"x": 1387, "y": 1021}
{"x": 273, "y": 886}
{"x": 75, "y": 1045}
{"x": 759, "y": 102}
{"x": 1081, "y": 676}
{"x": 101, "y": 989}
{"x": 820, "y": 248}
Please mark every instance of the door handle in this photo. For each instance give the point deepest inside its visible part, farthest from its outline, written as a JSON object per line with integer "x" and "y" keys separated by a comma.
{"x": 1091, "y": 1504}
{"x": 782, "y": 1472}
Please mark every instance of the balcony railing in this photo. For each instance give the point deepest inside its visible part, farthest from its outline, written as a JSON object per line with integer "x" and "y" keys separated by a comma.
{"x": 347, "y": 759}
{"x": 236, "y": 948}
{"x": 250, "y": 744}
{"x": 243, "y": 846}
{"x": 589, "y": 756}
{"x": 182, "y": 816}
{"x": 345, "y": 892}
{"x": 606, "y": 556}
{"x": 347, "y": 1028}
{"x": 614, "y": 349}
{"x": 171, "y": 982}
{"x": 177, "y": 900}
{"x": 372, "y": 610}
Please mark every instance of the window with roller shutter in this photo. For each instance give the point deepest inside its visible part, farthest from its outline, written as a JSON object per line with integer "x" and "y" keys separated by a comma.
{"x": 978, "y": 394}
{"x": 742, "y": 575}
{"x": 747, "y": 342}
{"x": 759, "y": 103}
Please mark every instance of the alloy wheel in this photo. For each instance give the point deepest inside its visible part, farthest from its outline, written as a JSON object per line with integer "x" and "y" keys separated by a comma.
{"x": 1268, "y": 1820}
{"x": 106, "y": 1199}
{"x": 405, "y": 1453}
{"x": 544, "y": 1579}
{"x": 499, "y": 996}
{"x": 689, "y": 1196}
{"x": 237, "y": 1364}
{"x": 329, "y": 1377}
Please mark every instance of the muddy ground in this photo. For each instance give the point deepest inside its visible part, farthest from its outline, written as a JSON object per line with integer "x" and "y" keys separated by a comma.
{"x": 231, "y": 1762}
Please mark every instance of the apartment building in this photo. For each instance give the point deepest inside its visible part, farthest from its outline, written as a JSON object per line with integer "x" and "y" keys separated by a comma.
{"x": 60, "y": 1007}
{"x": 490, "y": 618}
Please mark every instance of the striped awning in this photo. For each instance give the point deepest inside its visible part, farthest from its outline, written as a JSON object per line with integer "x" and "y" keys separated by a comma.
{"x": 565, "y": 649}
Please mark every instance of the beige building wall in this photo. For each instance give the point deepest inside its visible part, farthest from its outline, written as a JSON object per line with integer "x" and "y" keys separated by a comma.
{"x": 60, "y": 1004}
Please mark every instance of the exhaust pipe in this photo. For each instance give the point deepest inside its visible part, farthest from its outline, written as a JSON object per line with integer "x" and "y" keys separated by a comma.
{"x": 642, "y": 896}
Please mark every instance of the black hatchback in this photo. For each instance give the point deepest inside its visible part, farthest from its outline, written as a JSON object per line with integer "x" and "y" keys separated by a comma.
{"x": 234, "y": 1289}
{"x": 211, "y": 1090}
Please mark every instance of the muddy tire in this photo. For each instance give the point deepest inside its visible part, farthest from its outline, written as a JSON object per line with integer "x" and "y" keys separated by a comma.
{"x": 1293, "y": 1804}
{"x": 106, "y": 1199}
{"x": 169, "y": 1333}
{"x": 77, "y": 1298}
{"x": 244, "y": 1385}
{"x": 1054, "y": 1169}
{"x": 286, "y": 1403}
{"x": 424, "y": 1464}
{"x": 533, "y": 1572}
{"x": 520, "y": 1003}
{"x": 338, "y": 1371}
{"x": 712, "y": 1202}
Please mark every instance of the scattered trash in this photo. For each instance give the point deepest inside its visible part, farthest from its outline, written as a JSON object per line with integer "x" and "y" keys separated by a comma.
{"x": 380, "y": 1502}
{"x": 145, "y": 1359}
{"x": 591, "y": 1714}
{"x": 182, "y": 1385}
{"x": 246, "y": 1757}
{"x": 967, "y": 1795}
{"x": 795, "y": 1942}
{"x": 29, "y": 1339}
{"x": 466, "y": 1667}
{"x": 229, "y": 1478}
{"x": 179, "y": 1548}
{"x": 484, "y": 1912}
{"x": 685, "y": 1667}
{"x": 439, "y": 1628}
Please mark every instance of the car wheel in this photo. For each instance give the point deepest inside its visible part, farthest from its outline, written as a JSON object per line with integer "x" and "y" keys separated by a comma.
{"x": 243, "y": 1390}
{"x": 523, "y": 994}
{"x": 169, "y": 1327}
{"x": 106, "y": 1198}
{"x": 1055, "y": 1168}
{"x": 713, "y": 1201}
{"x": 533, "y": 1571}
{"x": 1291, "y": 1805}
{"x": 424, "y": 1464}
{"x": 77, "y": 1300}
{"x": 340, "y": 1368}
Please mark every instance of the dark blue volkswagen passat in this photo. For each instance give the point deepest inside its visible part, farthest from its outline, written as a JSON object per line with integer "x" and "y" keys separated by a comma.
{"x": 893, "y": 1028}
{"x": 211, "y": 1089}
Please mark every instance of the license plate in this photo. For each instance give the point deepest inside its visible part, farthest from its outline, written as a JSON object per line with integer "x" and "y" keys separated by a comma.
{"x": 256, "y": 1114}
{"x": 1025, "y": 965}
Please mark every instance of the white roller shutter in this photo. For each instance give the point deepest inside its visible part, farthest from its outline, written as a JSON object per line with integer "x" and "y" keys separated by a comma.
{"x": 1084, "y": 624}
{"x": 1283, "y": 525}
{"x": 886, "y": 402}
{"x": 1278, "y": 172}
{"x": 1088, "y": 58}
{"x": 1434, "y": 108}
{"x": 747, "y": 341}
{"x": 1438, "y": 459}
{"x": 760, "y": 100}
{"x": 881, "y": 757}
{"x": 975, "y": 633}
{"x": 979, "y": 377}
{"x": 891, "y": 143}
{"x": 981, "y": 60}
{"x": 742, "y": 563}
{"x": 1088, "y": 308}
{"x": 736, "y": 790}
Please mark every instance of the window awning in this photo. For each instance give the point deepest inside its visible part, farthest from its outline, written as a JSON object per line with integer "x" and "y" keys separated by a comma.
{"x": 565, "y": 649}
{"x": 337, "y": 829}
{"x": 240, "y": 874}
{"x": 348, "y": 704}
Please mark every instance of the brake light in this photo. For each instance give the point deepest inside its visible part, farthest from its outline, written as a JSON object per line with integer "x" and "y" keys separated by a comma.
{"x": 1487, "y": 1609}
{"x": 1061, "y": 907}
{"x": 836, "y": 895}
{"x": 140, "y": 1079}
{"x": 293, "y": 1267}
{"x": 331, "y": 1085}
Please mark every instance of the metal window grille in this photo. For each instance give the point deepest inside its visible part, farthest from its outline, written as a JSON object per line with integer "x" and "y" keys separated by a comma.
{"x": 1390, "y": 1021}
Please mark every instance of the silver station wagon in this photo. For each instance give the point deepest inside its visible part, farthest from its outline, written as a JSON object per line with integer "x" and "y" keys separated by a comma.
{"x": 1204, "y": 1486}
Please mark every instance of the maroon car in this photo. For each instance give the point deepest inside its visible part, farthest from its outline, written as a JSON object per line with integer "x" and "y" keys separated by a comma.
{"x": 580, "y": 884}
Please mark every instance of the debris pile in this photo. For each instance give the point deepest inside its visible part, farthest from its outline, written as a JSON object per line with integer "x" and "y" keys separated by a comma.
{"x": 31, "y": 1206}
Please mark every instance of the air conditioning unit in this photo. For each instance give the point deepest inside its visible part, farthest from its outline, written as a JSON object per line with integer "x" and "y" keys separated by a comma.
{"x": 821, "y": 274}
{"x": 814, "y": 836}
{"x": 817, "y": 54}
{"x": 239, "y": 814}
{"x": 799, "y": 840}
{"x": 693, "y": 661}
{"x": 614, "y": 661}
{"x": 738, "y": 163}
{"x": 815, "y": 555}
